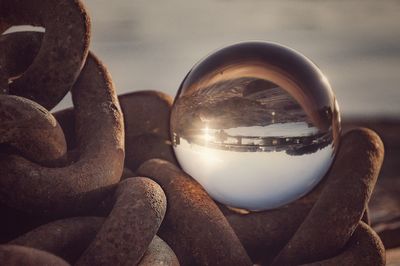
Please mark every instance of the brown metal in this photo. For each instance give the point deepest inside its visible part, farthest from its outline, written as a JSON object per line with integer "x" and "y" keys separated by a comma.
{"x": 264, "y": 234}
{"x": 3, "y": 25}
{"x": 151, "y": 110}
{"x": 339, "y": 209}
{"x": 194, "y": 227}
{"x": 66, "y": 238}
{"x": 82, "y": 184}
{"x": 138, "y": 211}
{"x": 336, "y": 212}
{"x": 12, "y": 255}
{"x": 18, "y": 52}
{"x": 159, "y": 253}
{"x": 146, "y": 127}
{"x": 66, "y": 119}
{"x": 14, "y": 223}
{"x": 146, "y": 116}
{"x": 40, "y": 180}
{"x": 63, "y": 51}
{"x": 126, "y": 173}
{"x": 146, "y": 147}
{"x": 3, "y": 77}
{"x": 30, "y": 129}
{"x": 363, "y": 248}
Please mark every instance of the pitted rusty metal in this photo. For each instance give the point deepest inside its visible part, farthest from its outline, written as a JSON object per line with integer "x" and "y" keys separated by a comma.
{"x": 194, "y": 227}
{"x": 363, "y": 248}
{"x": 342, "y": 201}
{"x": 13, "y": 255}
{"x": 72, "y": 164}
{"x": 146, "y": 135}
{"x": 123, "y": 239}
{"x": 19, "y": 50}
{"x": 83, "y": 183}
{"x": 152, "y": 111}
{"x": 66, "y": 238}
{"x": 126, "y": 236}
{"x": 13, "y": 59}
{"x": 30, "y": 129}
{"x": 265, "y": 234}
{"x": 159, "y": 253}
{"x": 63, "y": 51}
{"x": 3, "y": 78}
{"x": 330, "y": 213}
{"x": 3, "y": 25}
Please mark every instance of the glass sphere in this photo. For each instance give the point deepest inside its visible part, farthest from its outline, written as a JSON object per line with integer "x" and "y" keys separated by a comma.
{"x": 256, "y": 124}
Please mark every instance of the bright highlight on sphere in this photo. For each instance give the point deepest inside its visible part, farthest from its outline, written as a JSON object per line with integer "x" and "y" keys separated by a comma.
{"x": 256, "y": 124}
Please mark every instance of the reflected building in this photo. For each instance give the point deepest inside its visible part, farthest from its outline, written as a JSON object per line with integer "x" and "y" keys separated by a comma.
{"x": 232, "y": 112}
{"x": 256, "y": 124}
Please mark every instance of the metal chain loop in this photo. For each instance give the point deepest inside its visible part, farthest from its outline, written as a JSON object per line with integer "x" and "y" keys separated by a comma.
{"x": 73, "y": 197}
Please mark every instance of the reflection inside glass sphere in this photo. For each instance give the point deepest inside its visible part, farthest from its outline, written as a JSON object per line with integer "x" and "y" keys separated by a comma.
{"x": 256, "y": 124}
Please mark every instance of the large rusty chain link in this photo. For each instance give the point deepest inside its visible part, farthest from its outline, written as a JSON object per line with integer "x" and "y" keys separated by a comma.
{"x": 98, "y": 184}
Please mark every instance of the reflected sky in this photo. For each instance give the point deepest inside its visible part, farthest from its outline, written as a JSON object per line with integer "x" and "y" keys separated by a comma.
{"x": 253, "y": 180}
{"x": 247, "y": 109}
{"x": 246, "y": 140}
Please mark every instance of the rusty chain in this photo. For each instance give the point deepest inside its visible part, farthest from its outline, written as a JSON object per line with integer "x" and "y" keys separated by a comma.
{"x": 82, "y": 186}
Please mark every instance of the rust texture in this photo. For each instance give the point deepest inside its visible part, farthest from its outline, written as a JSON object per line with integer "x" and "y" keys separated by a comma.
{"x": 80, "y": 185}
{"x": 98, "y": 183}
{"x": 66, "y": 238}
{"x": 363, "y": 248}
{"x": 146, "y": 136}
{"x": 127, "y": 232}
{"x": 13, "y": 255}
{"x": 62, "y": 53}
{"x": 194, "y": 226}
{"x": 356, "y": 169}
{"x": 31, "y": 129}
{"x": 292, "y": 235}
{"x": 159, "y": 253}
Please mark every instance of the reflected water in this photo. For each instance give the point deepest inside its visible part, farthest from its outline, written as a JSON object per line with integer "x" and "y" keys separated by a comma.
{"x": 252, "y": 133}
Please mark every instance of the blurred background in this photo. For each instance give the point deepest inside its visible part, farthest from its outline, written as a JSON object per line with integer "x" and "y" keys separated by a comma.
{"x": 151, "y": 45}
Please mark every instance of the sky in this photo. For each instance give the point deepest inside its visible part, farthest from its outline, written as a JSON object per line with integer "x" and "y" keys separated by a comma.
{"x": 151, "y": 45}
{"x": 248, "y": 179}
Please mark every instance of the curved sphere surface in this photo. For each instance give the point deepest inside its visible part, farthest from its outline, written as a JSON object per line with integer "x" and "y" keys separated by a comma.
{"x": 256, "y": 124}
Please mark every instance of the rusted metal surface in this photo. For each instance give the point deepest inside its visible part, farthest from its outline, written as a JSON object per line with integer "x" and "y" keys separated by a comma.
{"x": 66, "y": 238}
{"x": 336, "y": 214}
{"x": 194, "y": 227}
{"x": 63, "y": 51}
{"x": 138, "y": 211}
{"x": 363, "y": 248}
{"x": 151, "y": 110}
{"x": 159, "y": 253}
{"x": 12, "y": 255}
{"x": 66, "y": 119}
{"x": 264, "y": 234}
{"x": 74, "y": 164}
{"x": 146, "y": 136}
{"x": 296, "y": 230}
{"x": 31, "y": 129}
{"x": 80, "y": 185}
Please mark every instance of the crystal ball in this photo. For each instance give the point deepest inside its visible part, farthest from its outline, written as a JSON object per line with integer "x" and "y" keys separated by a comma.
{"x": 256, "y": 124}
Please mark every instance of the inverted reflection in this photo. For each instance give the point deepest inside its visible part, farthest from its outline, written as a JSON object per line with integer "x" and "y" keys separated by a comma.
{"x": 250, "y": 142}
